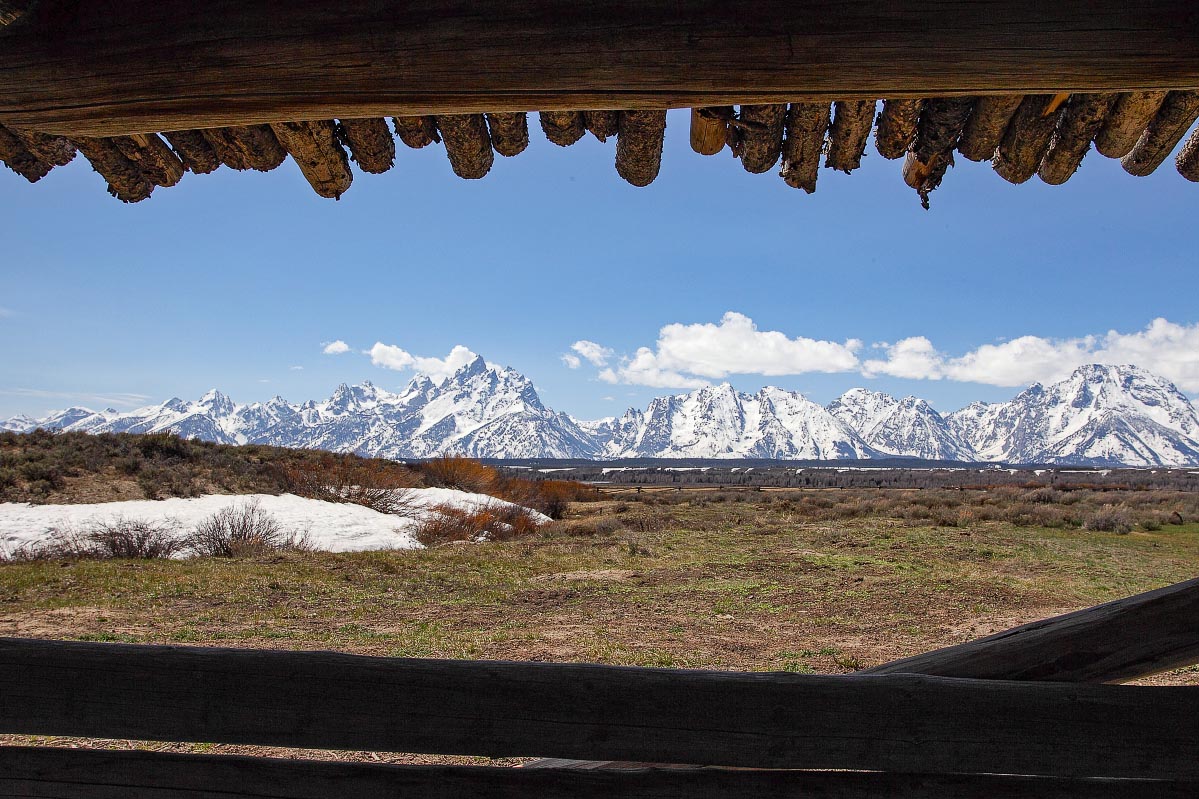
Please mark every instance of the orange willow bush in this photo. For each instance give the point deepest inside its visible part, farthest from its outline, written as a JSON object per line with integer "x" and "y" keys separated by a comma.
{"x": 467, "y": 474}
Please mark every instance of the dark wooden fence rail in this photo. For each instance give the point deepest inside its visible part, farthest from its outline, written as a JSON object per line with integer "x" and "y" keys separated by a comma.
{"x": 901, "y": 736}
{"x": 1124, "y": 640}
{"x": 897, "y": 723}
{"x": 98, "y": 67}
{"x": 84, "y": 774}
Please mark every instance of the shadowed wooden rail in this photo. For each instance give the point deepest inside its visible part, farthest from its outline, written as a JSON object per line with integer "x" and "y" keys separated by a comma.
{"x": 746, "y": 734}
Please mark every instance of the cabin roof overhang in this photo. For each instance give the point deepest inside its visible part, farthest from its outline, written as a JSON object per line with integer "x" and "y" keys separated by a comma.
{"x": 245, "y": 83}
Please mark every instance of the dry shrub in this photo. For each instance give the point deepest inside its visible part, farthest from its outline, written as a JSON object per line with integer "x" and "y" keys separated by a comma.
{"x": 118, "y": 538}
{"x": 464, "y": 474}
{"x": 1109, "y": 519}
{"x": 550, "y": 497}
{"x": 445, "y": 523}
{"x": 376, "y": 484}
{"x": 242, "y": 530}
{"x": 133, "y": 538}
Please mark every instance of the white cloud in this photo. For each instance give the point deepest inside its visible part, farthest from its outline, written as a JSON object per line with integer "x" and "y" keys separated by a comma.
{"x": 686, "y": 356}
{"x": 296, "y": 368}
{"x": 338, "y": 347}
{"x": 571, "y": 361}
{"x": 595, "y": 354}
{"x": 389, "y": 356}
{"x": 1163, "y": 347}
{"x": 119, "y": 399}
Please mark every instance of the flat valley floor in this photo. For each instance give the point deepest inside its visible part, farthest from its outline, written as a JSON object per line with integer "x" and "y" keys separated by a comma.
{"x": 750, "y": 581}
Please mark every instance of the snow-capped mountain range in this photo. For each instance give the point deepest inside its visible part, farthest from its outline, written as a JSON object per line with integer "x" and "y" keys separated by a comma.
{"x": 1100, "y": 415}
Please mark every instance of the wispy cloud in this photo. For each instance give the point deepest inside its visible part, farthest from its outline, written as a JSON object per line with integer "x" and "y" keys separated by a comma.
{"x": 571, "y": 361}
{"x": 337, "y": 347}
{"x": 296, "y": 368}
{"x": 6, "y": 313}
{"x": 595, "y": 354}
{"x": 119, "y": 399}
{"x": 390, "y": 356}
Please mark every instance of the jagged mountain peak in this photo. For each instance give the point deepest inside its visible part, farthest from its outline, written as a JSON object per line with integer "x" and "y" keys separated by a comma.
{"x": 1101, "y": 414}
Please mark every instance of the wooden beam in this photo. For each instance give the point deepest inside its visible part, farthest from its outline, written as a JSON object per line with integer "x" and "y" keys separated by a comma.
{"x": 91, "y": 67}
{"x": 104, "y": 774}
{"x": 905, "y": 723}
{"x": 1129, "y": 638}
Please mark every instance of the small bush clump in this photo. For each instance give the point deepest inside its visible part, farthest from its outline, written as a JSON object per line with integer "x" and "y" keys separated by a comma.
{"x": 1109, "y": 519}
{"x": 243, "y": 530}
{"x": 446, "y": 523}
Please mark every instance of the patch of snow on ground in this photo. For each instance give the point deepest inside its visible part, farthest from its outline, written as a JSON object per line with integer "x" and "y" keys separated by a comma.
{"x": 330, "y": 526}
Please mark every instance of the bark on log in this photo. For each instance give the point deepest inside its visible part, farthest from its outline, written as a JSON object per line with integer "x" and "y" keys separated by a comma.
{"x": 194, "y": 151}
{"x": 53, "y": 150}
{"x": 12, "y": 10}
{"x": 926, "y": 177}
{"x": 710, "y": 129}
{"x": 806, "y": 125}
{"x": 1178, "y": 112}
{"x": 315, "y": 149}
{"x": 1188, "y": 158}
{"x": 105, "y": 774}
{"x": 157, "y": 162}
{"x": 758, "y": 136}
{"x": 942, "y": 121}
{"x": 941, "y": 124}
{"x": 896, "y": 128}
{"x": 1128, "y": 119}
{"x": 984, "y": 130}
{"x": 1081, "y": 119}
{"x": 16, "y": 156}
{"x": 852, "y": 120}
{"x": 1027, "y": 137}
{"x": 639, "y": 146}
{"x": 326, "y": 700}
{"x": 563, "y": 128}
{"x": 370, "y": 143}
{"x": 251, "y": 147}
{"x": 125, "y": 181}
{"x": 602, "y": 124}
{"x": 416, "y": 132}
{"x": 509, "y": 133}
{"x": 178, "y": 64}
{"x": 1129, "y": 638}
{"x": 467, "y": 144}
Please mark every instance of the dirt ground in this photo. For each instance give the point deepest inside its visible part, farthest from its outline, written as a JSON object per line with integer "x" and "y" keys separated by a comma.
{"x": 734, "y": 585}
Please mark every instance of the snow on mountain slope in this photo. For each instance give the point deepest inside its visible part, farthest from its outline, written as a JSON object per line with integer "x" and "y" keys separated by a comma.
{"x": 719, "y": 422}
{"x": 1100, "y": 415}
{"x": 909, "y": 426}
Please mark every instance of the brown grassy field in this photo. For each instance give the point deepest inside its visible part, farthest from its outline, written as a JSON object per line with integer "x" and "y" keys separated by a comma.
{"x": 795, "y": 581}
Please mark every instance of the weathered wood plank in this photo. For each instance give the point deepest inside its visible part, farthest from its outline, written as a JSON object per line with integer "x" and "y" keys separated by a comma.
{"x": 1133, "y": 637}
{"x": 100, "y": 774}
{"x": 326, "y": 700}
{"x": 89, "y": 67}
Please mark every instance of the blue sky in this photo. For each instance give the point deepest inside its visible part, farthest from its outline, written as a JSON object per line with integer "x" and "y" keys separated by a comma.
{"x": 235, "y": 279}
